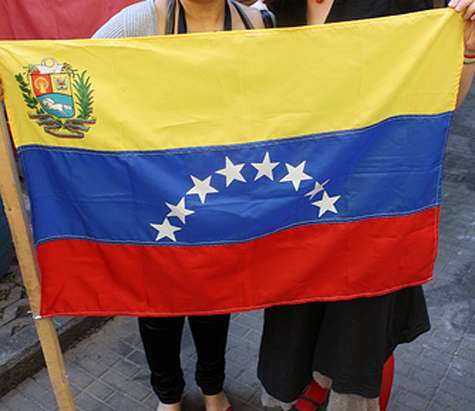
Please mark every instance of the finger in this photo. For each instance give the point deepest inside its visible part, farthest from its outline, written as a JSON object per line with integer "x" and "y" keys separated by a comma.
{"x": 469, "y": 12}
{"x": 454, "y": 3}
{"x": 462, "y": 5}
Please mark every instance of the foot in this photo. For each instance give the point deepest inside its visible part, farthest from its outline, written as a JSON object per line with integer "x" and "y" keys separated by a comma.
{"x": 218, "y": 402}
{"x": 169, "y": 407}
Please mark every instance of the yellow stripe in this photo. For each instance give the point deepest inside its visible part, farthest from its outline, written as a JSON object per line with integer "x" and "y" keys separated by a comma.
{"x": 228, "y": 88}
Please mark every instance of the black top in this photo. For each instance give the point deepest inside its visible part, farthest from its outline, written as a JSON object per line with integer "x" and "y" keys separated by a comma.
{"x": 344, "y": 10}
{"x": 290, "y": 13}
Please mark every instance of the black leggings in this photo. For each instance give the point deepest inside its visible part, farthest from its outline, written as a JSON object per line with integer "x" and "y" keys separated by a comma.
{"x": 161, "y": 338}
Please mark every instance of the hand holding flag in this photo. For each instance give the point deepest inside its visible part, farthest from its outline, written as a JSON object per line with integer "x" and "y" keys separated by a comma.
{"x": 467, "y": 7}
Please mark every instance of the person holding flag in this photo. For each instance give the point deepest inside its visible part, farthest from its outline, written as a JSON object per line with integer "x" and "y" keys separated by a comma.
{"x": 162, "y": 336}
{"x": 344, "y": 345}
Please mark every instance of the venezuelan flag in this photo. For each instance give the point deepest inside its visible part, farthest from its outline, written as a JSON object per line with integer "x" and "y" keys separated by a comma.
{"x": 211, "y": 173}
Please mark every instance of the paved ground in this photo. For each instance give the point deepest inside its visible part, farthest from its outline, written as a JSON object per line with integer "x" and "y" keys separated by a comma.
{"x": 436, "y": 373}
{"x": 20, "y": 354}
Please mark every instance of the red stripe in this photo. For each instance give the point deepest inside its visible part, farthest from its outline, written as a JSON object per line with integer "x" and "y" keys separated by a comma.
{"x": 332, "y": 262}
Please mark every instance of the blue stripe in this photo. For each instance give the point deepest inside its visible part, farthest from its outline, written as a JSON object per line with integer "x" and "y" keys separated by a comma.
{"x": 391, "y": 168}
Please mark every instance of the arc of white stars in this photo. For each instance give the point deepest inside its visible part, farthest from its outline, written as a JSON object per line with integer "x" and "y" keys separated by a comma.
{"x": 326, "y": 204}
{"x": 317, "y": 189}
{"x": 265, "y": 168}
{"x": 201, "y": 188}
{"x": 165, "y": 230}
{"x": 296, "y": 175}
{"x": 232, "y": 172}
{"x": 179, "y": 210}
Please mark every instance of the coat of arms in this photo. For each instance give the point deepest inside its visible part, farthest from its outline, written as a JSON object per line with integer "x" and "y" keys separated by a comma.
{"x": 60, "y": 96}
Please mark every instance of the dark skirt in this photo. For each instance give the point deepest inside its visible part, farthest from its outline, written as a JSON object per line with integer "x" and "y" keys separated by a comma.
{"x": 348, "y": 341}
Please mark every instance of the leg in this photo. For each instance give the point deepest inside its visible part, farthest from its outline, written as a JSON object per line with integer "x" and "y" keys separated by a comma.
{"x": 287, "y": 349}
{"x": 387, "y": 383}
{"x": 357, "y": 338}
{"x": 161, "y": 339}
{"x": 350, "y": 402}
{"x": 210, "y": 336}
{"x": 353, "y": 345}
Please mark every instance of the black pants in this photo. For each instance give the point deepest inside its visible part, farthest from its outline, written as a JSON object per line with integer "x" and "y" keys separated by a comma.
{"x": 161, "y": 338}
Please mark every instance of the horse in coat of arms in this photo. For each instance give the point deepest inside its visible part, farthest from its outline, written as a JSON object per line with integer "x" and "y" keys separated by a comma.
{"x": 61, "y": 97}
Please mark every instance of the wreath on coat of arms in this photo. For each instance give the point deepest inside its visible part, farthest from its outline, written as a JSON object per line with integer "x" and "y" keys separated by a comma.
{"x": 62, "y": 98}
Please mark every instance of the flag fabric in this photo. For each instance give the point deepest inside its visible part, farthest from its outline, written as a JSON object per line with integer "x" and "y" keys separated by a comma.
{"x": 212, "y": 173}
{"x": 55, "y": 19}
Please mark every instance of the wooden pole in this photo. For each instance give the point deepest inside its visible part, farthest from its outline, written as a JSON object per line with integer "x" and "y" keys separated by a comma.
{"x": 10, "y": 191}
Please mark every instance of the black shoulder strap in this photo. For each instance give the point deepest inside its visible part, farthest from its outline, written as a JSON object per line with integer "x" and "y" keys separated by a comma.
{"x": 182, "y": 24}
{"x": 170, "y": 22}
{"x": 269, "y": 19}
{"x": 245, "y": 19}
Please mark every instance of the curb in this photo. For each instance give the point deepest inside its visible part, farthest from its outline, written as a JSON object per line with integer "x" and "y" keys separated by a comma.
{"x": 28, "y": 359}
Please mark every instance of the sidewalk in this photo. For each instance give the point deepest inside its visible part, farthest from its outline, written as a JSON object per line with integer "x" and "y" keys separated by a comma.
{"x": 436, "y": 373}
{"x": 20, "y": 353}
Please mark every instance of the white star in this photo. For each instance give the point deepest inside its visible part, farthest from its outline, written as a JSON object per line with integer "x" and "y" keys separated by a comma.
{"x": 202, "y": 188}
{"x": 165, "y": 230}
{"x": 327, "y": 203}
{"x": 318, "y": 187}
{"x": 265, "y": 168}
{"x": 296, "y": 175}
{"x": 232, "y": 172}
{"x": 179, "y": 210}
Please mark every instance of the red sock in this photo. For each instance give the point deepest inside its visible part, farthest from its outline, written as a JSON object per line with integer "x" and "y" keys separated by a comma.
{"x": 315, "y": 393}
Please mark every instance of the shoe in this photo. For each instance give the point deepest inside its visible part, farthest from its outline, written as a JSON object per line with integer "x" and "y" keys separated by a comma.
{"x": 312, "y": 399}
